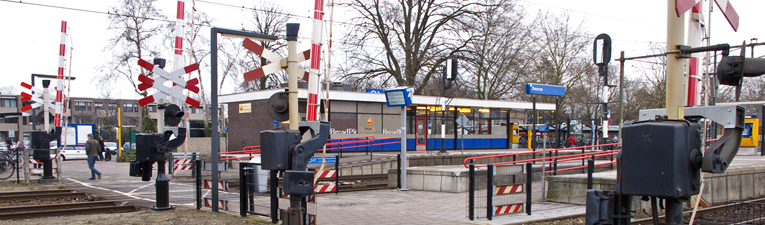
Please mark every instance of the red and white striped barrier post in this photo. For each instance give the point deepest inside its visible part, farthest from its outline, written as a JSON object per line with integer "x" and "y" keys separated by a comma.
{"x": 60, "y": 78}
{"x": 313, "y": 77}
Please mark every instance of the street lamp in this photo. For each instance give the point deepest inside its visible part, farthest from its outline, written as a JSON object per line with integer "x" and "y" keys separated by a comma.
{"x": 449, "y": 74}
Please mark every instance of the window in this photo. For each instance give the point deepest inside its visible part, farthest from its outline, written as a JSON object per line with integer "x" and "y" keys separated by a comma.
{"x": 128, "y": 107}
{"x": 112, "y": 106}
{"x": 152, "y": 108}
{"x": 9, "y": 103}
{"x": 80, "y": 105}
{"x": 99, "y": 105}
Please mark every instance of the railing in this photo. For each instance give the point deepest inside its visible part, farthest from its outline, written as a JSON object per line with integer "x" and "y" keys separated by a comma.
{"x": 534, "y": 159}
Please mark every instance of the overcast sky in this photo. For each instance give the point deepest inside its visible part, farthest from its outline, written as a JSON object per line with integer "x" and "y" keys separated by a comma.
{"x": 31, "y": 32}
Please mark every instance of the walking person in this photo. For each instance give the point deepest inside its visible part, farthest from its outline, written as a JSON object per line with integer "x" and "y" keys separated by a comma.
{"x": 92, "y": 148}
{"x": 101, "y": 150}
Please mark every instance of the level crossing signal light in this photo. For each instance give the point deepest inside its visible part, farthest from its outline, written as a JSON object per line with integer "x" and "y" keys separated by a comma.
{"x": 173, "y": 114}
{"x": 732, "y": 69}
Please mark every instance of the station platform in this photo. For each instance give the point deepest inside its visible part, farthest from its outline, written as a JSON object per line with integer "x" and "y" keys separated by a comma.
{"x": 387, "y": 206}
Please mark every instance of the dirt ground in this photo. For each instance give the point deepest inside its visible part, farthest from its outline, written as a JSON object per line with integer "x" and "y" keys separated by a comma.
{"x": 180, "y": 215}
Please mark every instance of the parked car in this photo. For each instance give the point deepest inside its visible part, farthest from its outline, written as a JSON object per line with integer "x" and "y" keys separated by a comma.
{"x": 125, "y": 146}
{"x": 110, "y": 147}
{"x": 72, "y": 152}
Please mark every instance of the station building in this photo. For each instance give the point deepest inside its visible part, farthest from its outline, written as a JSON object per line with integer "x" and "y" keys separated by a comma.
{"x": 491, "y": 123}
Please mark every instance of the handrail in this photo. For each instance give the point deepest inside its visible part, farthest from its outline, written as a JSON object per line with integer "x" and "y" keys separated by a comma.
{"x": 578, "y": 167}
{"x": 233, "y": 158}
{"x": 532, "y": 152}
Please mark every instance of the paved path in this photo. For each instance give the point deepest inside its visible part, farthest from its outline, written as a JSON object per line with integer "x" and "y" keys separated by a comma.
{"x": 368, "y": 207}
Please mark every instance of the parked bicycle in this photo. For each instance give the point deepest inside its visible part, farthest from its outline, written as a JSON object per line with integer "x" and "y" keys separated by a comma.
{"x": 8, "y": 163}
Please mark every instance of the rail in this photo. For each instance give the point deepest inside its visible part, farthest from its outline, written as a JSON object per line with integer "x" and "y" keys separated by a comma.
{"x": 465, "y": 162}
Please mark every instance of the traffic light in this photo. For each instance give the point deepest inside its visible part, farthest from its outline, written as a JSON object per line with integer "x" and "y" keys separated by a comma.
{"x": 732, "y": 69}
{"x": 173, "y": 115}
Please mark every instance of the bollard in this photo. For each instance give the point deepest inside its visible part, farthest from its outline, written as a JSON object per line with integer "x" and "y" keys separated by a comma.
{"x": 555, "y": 167}
{"x": 193, "y": 159}
{"x": 337, "y": 175}
{"x": 529, "y": 178}
{"x": 471, "y": 192}
{"x": 398, "y": 168}
{"x": 198, "y": 168}
{"x": 171, "y": 164}
{"x": 590, "y": 170}
{"x": 243, "y": 192}
{"x": 489, "y": 191}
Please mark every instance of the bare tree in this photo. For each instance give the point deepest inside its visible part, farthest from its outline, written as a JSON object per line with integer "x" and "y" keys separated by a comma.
{"x": 564, "y": 58}
{"x": 8, "y": 90}
{"x": 404, "y": 41}
{"x": 500, "y": 54}
{"x": 131, "y": 20}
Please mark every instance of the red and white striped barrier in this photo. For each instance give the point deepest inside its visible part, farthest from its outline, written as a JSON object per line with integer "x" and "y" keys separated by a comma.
{"x": 509, "y": 189}
{"x": 312, "y": 111}
{"x": 222, "y": 185}
{"x": 164, "y": 91}
{"x": 183, "y": 164}
{"x": 324, "y": 188}
{"x": 222, "y": 204}
{"x": 274, "y": 58}
{"x": 327, "y": 174}
{"x": 507, "y": 209}
{"x": 60, "y": 78}
{"x": 36, "y": 167}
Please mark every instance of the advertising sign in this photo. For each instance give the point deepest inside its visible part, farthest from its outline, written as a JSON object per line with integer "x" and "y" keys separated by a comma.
{"x": 575, "y": 127}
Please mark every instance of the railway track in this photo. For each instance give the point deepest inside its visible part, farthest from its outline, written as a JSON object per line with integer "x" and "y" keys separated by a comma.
{"x": 35, "y": 204}
{"x": 744, "y": 212}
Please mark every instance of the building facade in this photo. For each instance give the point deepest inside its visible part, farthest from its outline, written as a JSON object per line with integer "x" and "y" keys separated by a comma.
{"x": 355, "y": 114}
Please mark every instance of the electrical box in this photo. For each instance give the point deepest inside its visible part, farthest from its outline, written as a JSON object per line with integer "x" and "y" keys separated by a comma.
{"x": 661, "y": 158}
{"x": 516, "y": 133}
{"x": 751, "y": 135}
{"x": 146, "y": 147}
{"x": 274, "y": 148}
{"x": 298, "y": 182}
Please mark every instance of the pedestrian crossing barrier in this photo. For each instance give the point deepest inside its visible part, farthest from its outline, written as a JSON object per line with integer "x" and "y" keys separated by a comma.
{"x": 222, "y": 185}
{"x": 222, "y": 204}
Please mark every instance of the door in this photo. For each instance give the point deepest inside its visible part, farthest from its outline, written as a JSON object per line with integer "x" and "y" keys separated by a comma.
{"x": 421, "y": 133}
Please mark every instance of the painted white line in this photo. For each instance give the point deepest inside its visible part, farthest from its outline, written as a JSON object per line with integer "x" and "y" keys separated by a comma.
{"x": 115, "y": 191}
{"x": 140, "y": 188}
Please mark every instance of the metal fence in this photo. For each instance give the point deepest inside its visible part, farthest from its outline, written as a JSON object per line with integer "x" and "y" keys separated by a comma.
{"x": 499, "y": 190}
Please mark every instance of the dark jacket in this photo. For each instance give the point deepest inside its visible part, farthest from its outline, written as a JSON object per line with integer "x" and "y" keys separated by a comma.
{"x": 92, "y": 148}
{"x": 101, "y": 145}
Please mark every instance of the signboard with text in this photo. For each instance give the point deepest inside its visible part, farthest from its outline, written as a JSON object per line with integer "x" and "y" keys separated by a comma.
{"x": 398, "y": 97}
{"x": 543, "y": 89}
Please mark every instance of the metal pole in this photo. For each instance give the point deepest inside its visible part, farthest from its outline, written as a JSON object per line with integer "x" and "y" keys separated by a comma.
{"x": 242, "y": 190}
{"x": 471, "y": 192}
{"x": 534, "y": 122}
{"x": 292, "y": 31}
{"x": 528, "y": 188}
{"x": 621, "y": 95}
{"x": 590, "y": 171}
{"x": 198, "y": 169}
{"x": 762, "y": 146}
{"x": 490, "y": 191}
{"x": 34, "y": 113}
{"x": 215, "y": 142}
{"x": 402, "y": 163}
{"x": 557, "y": 124}
{"x": 274, "y": 183}
{"x": 675, "y": 66}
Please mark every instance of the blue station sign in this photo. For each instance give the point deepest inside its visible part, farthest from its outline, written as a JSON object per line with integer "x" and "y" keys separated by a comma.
{"x": 375, "y": 91}
{"x": 543, "y": 89}
{"x": 317, "y": 159}
{"x": 398, "y": 97}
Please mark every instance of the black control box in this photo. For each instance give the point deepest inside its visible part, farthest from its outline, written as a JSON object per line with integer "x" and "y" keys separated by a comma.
{"x": 661, "y": 158}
